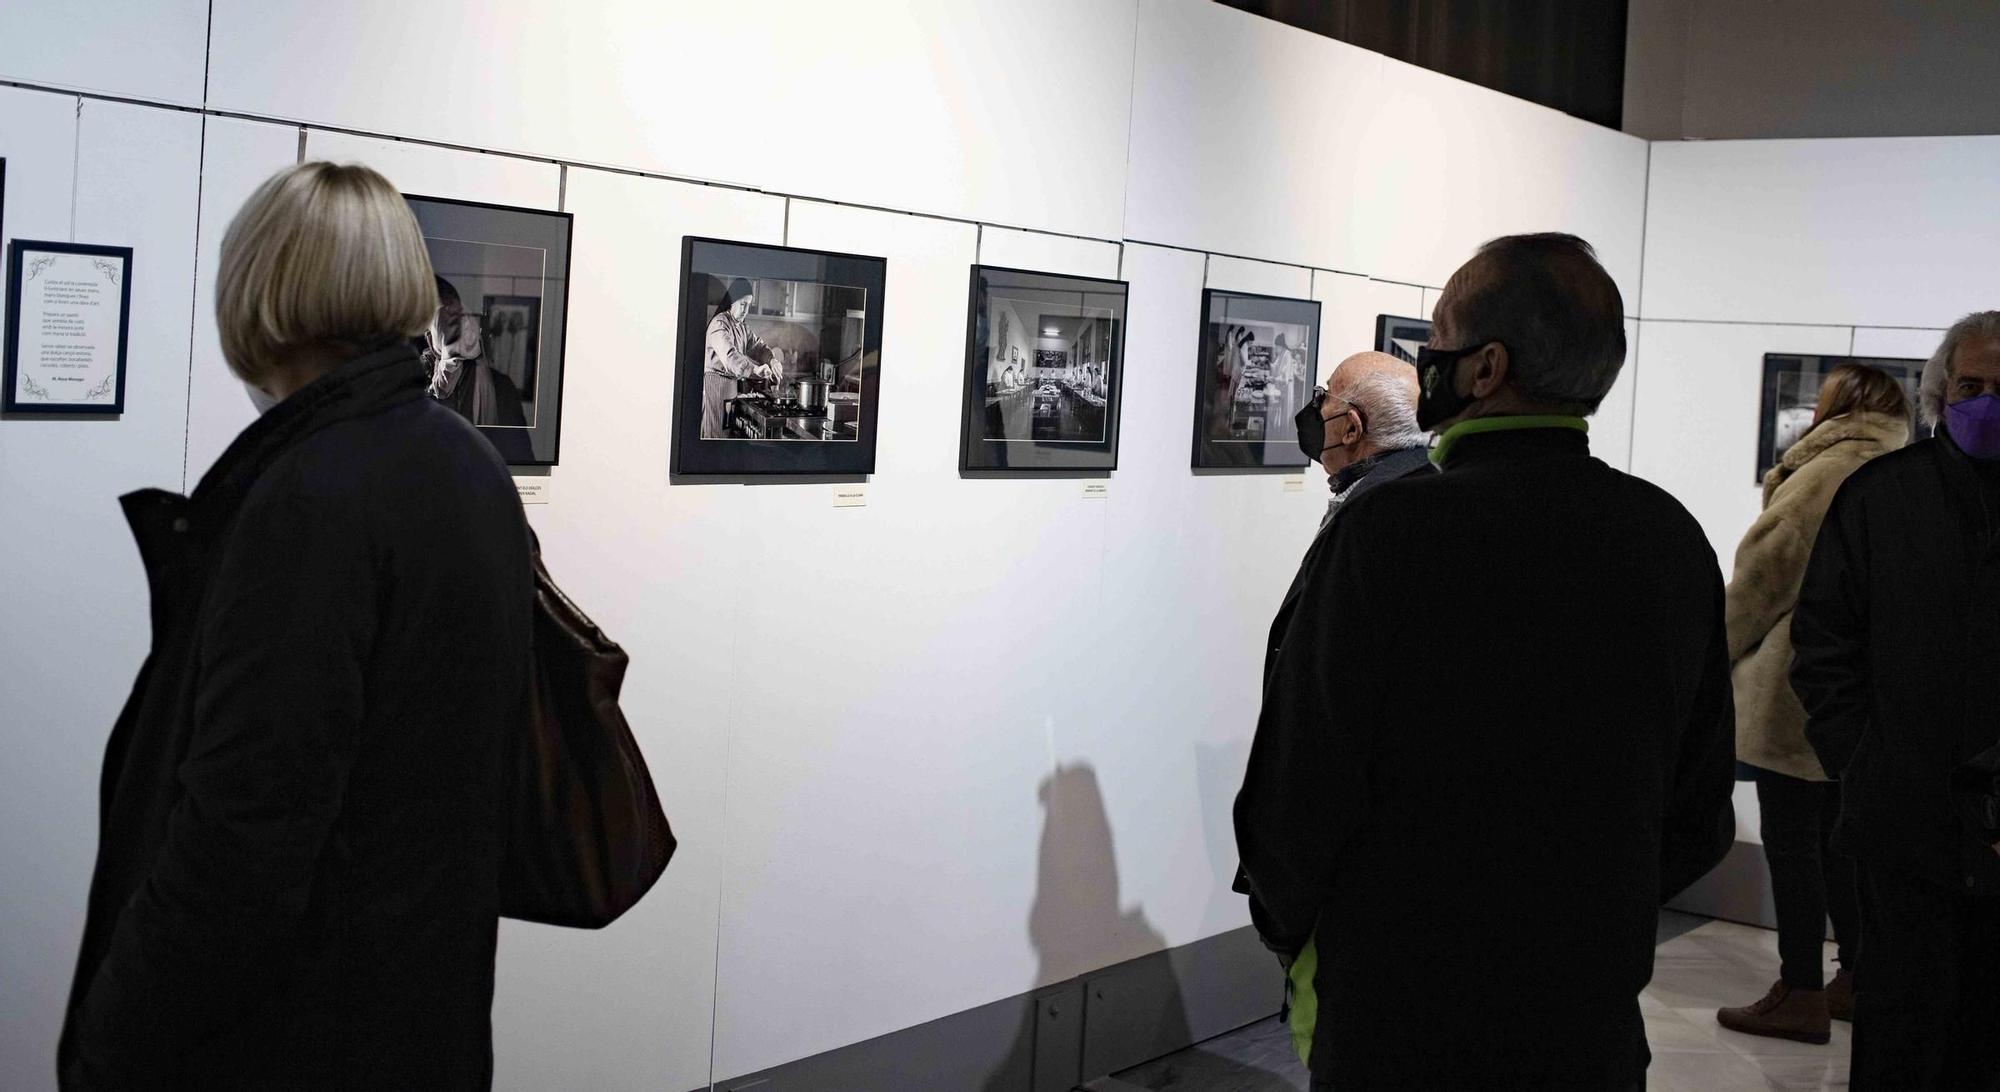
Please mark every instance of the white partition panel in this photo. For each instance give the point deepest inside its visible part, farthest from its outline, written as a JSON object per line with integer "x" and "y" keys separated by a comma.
{"x": 1263, "y": 278}
{"x": 48, "y": 814}
{"x": 38, "y": 141}
{"x": 1892, "y": 232}
{"x": 1611, "y": 425}
{"x": 236, "y": 158}
{"x": 900, "y": 678}
{"x": 1908, "y": 342}
{"x": 1453, "y": 165}
{"x": 1194, "y": 566}
{"x": 1045, "y": 253}
{"x": 1013, "y": 115}
{"x": 664, "y": 570}
{"x": 142, "y": 49}
{"x": 1250, "y": 137}
{"x": 76, "y": 600}
{"x": 1349, "y": 307}
{"x": 1695, "y": 433}
{"x": 445, "y": 172}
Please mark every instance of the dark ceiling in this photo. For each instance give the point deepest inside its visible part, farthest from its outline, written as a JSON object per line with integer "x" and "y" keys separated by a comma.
{"x": 1564, "y": 54}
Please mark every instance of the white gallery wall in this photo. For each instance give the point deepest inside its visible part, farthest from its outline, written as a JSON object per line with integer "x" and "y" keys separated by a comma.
{"x": 1864, "y": 246}
{"x": 868, "y": 724}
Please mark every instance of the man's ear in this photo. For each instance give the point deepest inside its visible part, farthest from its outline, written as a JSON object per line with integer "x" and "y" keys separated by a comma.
{"x": 1350, "y": 427}
{"x": 1489, "y": 370}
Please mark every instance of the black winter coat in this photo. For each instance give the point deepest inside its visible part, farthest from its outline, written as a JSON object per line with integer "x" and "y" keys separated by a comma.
{"x": 1497, "y": 734}
{"x": 300, "y": 817}
{"x": 1895, "y": 636}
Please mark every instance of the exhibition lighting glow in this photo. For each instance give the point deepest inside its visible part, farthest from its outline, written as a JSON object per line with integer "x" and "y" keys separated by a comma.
{"x": 1050, "y": 331}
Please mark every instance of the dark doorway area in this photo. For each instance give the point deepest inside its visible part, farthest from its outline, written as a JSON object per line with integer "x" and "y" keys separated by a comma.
{"x": 1565, "y": 54}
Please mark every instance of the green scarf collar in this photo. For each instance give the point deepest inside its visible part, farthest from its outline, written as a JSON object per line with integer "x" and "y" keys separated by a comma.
{"x": 1442, "y": 449}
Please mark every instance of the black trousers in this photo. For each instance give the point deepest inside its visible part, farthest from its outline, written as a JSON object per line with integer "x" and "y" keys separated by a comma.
{"x": 1810, "y": 880}
{"x": 1927, "y": 991}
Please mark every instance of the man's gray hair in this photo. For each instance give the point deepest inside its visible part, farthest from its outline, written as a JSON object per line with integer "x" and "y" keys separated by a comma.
{"x": 1386, "y": 403}
{"x": 1559, "y": 313}
{"x": 1937, "y": 370}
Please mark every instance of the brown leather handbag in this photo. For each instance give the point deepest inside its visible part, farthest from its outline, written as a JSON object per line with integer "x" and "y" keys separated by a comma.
{"x": 586, "y": 836}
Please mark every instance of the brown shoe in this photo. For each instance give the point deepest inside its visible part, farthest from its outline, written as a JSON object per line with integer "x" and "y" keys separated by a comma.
{"x": 1840, "y": 996}
{"x": 1784, "y": 1013}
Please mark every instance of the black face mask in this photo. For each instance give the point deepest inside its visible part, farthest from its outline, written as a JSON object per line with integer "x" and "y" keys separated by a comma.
{"x": 1437, "y": 399}
{"x": 1311, "y": 426}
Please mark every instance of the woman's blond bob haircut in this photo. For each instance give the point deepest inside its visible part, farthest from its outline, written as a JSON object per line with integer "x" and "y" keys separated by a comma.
{"x": 320, "y": 255}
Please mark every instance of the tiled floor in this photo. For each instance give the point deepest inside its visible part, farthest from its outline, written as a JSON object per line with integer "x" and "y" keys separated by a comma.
{"x": 1699, "y": 967}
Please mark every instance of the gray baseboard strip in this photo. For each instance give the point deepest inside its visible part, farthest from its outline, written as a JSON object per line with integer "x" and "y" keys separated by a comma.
{"x": 1057, "y": 1037}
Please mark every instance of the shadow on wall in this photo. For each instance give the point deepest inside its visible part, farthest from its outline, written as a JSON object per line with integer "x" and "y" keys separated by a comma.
{"x": 1218, "y": 771}
{"x": 1077, "y": 927}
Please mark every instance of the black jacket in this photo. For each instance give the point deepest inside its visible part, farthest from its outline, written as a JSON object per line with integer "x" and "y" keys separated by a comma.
{"x": 1497, "y": 733}
{"x": 300, "y": 817}
{"x": 1393, "y": 466}
{"x": 1895, "y": 636}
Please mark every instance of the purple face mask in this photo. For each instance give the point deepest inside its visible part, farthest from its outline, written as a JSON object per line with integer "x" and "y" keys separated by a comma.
{"x": 1974, "y": 425}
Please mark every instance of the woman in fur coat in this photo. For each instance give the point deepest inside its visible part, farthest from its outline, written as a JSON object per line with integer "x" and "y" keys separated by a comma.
{"x": 1862, "y": 412}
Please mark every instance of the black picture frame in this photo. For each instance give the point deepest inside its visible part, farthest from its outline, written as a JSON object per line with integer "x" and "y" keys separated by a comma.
{"x": 19, "y": 274}
{"x": 1016, "y": 414}
{"x": 1790, "y": 392}
{"x": 1255, "y": 369}
{"x": 1401, "y": 337}
{"x": 771, "y": 420}
{"x": 487, "y": 252}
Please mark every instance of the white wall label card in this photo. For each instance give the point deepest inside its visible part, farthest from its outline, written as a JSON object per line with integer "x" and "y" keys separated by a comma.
{"x": 1295, "y": 483}
{"x": 850, "y": 496}
{"x": 68, "y": 315}
{"x": 1096, "y": 490}
{"x": 532, "y": 490}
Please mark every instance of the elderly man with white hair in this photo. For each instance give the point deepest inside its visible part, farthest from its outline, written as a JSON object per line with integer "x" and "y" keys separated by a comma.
{"x": 1362, "y": 428}
{"x": 1894, "y": 638}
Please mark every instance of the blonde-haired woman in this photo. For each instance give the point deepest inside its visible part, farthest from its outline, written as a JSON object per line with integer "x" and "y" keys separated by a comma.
{"x": 300, "y": 837}
{"x": 1862, "y": 412}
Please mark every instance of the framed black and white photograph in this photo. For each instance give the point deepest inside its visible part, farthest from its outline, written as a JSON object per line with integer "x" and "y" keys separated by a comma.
{"x": 1791, "y": 396}
{"x": 780, "y": 360}
{"x": 1401, "y": 337}
{"x": 494, "y": 352}
{"x": 69, "y": 315}
{"x": 1256, "y": 368}
{"x": 1044, "y": 358}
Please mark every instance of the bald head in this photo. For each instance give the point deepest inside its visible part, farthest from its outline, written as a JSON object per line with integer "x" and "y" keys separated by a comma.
{"x": 1370, "y": 407}
{"x": 1350, "y": 372}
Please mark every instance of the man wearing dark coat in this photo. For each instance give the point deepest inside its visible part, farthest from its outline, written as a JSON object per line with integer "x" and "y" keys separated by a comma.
{"x": 1894, "y": 638}
{"x": 1497, "y": 732}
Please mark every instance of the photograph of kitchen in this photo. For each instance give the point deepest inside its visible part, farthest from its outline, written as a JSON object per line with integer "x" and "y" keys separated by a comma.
{"x": 1049, "y": 367}
{"x": 782, "y": 359}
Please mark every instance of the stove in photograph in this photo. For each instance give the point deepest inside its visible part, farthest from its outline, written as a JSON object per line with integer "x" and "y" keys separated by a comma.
{"x": 761, "y": 417}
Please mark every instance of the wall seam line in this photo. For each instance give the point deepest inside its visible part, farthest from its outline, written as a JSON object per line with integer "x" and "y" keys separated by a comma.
{"x": 1131, "y": 112}
{"x": 75, "y": 163}
{"x": 194, "y": 294}
{"x": 1784, "y": 322}
{"x": 1638, "y": 328}
{"x": 194, "y": 307}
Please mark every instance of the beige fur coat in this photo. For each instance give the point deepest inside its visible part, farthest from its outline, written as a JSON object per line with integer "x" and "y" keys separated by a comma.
{"x": 1770, "y": 564}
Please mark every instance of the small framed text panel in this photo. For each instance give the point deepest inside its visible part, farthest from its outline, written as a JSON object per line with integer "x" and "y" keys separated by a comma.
{"x": 69, "y": 314}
